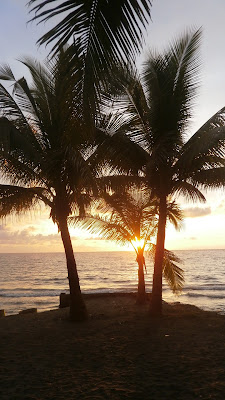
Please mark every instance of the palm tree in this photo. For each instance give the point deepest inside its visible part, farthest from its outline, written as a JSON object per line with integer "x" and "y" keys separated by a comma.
{"x": 106, "y": 31}
{"x": 43, "y": 150}
{"x": 158, "y": 107}
{"x": 129, "y": 217}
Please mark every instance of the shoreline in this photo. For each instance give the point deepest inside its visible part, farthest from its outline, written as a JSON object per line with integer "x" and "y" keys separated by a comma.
{"x": 119, "y": 353}
{"x": 111, "y": 294}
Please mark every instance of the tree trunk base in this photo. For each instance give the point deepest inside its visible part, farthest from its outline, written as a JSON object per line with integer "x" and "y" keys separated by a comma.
{"x": 79, "y": 312}
{"x": 155, "y": 307}
{"x": 141, "y": 299}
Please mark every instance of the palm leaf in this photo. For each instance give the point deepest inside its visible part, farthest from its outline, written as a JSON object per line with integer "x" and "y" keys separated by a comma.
{"x": 201, "y": 146}
{"x": 118, "y": 152}
{"x": 210, "y": 178}
{"x": 14, "y": 199}
{"x": 188, "y": 190}
{"x": 14, "y": 144}
{"x": 174, "y": 214}
{"x": 184, "y": 55}
{"x": 99, "y": 226}
{"x": 129, "y": 99}
{"x": 216, "y": 121}
{"x": 170, "y": 83}
{"x": 105, "y": 29}
{"x": 103, "y": 33}
{"x": 119, "y": 183}
{"x": 173, "y": 274}
{"x": 6, "y": 73}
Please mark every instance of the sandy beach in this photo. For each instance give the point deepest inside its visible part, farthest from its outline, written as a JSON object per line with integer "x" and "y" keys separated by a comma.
{"x": 119, "y": 353}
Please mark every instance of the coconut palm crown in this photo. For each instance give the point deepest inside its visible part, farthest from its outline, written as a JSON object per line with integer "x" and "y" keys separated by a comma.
{"x": 130, "y": 217}
{"x": 42, "y": 156}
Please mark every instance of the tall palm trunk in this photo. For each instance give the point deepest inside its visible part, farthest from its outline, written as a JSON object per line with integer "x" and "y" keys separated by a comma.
{"x": 78, "y": 311}
{"x": 141, "y": 296}
{"x": 156, "y": 297}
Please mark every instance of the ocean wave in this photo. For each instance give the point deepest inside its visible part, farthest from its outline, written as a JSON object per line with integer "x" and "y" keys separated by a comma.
{"x": 18, "y": 293}
{"x": 209, "y": 296}
{"x": 210, "y": 287}
{"x": 109, "y": 290}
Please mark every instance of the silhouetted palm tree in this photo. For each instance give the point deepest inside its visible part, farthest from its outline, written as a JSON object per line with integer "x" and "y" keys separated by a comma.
{"x": 106, "y": 31}
{"x": 157, "y": 106}
{"x": 43, "y": 141}
{"x": 129, "y": 217}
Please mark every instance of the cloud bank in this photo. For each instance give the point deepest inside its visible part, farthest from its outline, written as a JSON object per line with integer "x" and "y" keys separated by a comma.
{"x": 194, "y": 212}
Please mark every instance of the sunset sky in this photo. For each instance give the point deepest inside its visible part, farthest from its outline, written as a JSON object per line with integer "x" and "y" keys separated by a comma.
{"x": 204, "y": 224}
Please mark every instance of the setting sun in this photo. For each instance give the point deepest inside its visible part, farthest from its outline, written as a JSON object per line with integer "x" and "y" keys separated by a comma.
{"x": 138, "y": 243}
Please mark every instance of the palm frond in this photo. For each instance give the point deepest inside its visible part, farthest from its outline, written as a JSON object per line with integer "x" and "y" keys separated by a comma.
{"x": 6, "y": 73}
{"x": 10, "y": 107}
{"x": 216, "y": 121}
{"x": 184, "y": 55}
{"x": 14, "y": 144}
{"x": 119, "y": 183}
{"x": 188, "y": 190}
{"x": 173, "y": 274}
{"x": 74, "y": 161}
{"x": 210, "y": 178}
{"x": 170, "y": 81}
{"x": 25, "y": 99}
{"x": 14, "y": 199}
{"x": 124, "y": 86}
{"x": 203, "y": 145}
{"x": 99, "y": 226}
{"x": 17, "y": 171}
{"x": 174, "y": 214}
{"x": 117, "y": 152}
{"x": 103, "y": 32}
{"x": 105, "y": 29}
{"x": 129, "y": 213}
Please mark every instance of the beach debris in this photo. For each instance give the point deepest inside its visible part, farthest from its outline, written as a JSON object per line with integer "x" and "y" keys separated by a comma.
{"x": 2, "y": 313}
{"x": 64, "y": 300}
{"x": 29, "y": 311}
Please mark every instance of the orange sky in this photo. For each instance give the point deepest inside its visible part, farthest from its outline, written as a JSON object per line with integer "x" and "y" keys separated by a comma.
{"x": 203, "y": 227}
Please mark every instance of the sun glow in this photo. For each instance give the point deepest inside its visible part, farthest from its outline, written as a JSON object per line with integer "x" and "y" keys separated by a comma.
{"x": 138, "y": 243}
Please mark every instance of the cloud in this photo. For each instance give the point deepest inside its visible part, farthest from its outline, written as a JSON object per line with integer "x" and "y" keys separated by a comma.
{"x": 27, "y": 236}
{"x": 194, "y": 212}
{"x": 221, "y": 207}
{"x": 95, "y": 238}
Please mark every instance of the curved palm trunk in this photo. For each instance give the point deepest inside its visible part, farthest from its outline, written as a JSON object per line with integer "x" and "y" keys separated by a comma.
{"x": 141, "y": 295}
{"x": 156, "y": 297}
{"x": 78, "y": 311}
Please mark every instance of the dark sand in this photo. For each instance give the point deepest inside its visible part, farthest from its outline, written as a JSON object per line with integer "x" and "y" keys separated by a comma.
{"x": 119, "y": 353}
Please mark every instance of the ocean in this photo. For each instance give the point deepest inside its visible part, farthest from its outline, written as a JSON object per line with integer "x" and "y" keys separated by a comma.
{"x": 36, "y": 280}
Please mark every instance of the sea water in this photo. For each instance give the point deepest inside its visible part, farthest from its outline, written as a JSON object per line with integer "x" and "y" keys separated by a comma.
{"x": 36, "y": 280}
